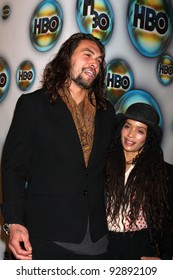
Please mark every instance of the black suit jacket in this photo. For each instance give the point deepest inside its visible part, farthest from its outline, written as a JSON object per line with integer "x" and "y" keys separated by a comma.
{"x": 43, "y": 149}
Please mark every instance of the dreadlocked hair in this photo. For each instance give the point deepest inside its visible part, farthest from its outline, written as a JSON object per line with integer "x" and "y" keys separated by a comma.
{"x": 146, "y": 186}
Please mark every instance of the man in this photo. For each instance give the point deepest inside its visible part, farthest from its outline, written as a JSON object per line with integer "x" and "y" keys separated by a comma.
{"x": 54, "y": 158}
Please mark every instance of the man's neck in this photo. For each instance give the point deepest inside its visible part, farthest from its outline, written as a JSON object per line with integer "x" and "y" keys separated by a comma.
{"x": 77, "y": 93}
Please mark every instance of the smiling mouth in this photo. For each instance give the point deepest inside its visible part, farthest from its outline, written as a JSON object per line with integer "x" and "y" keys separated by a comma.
{"x": 89, "y": 72}
{"x": 128, "y": 142}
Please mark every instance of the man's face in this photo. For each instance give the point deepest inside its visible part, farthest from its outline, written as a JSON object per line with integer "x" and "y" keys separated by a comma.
{"x": 85, "y": 64}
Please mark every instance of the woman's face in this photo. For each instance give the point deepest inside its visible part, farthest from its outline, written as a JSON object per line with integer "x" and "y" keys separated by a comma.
{"x": 133, "y": 136}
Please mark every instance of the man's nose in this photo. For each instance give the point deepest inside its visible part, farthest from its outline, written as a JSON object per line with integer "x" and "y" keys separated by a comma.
{"x": 94, "y": 63}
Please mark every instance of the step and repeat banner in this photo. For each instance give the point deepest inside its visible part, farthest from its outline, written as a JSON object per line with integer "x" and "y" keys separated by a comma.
{"x": 138, "y": 38}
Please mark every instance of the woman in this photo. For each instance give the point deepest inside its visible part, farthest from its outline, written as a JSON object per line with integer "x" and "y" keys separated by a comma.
{"x": 139, "y": 188}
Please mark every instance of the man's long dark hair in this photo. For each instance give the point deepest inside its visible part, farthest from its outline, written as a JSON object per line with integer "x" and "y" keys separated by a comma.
{"x": 146, "y": 185}
{"x": 56, "y": 74}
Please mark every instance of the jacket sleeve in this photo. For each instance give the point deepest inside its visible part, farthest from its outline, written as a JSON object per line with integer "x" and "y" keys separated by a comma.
{"x": 16, "y": 157}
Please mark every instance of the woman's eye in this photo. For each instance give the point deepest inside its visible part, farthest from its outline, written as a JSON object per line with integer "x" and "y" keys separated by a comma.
{"x": 141, "y": 132}
{"x": 126, "y": 126}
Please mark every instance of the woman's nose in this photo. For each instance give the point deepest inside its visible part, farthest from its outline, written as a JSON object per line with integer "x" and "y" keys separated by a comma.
{"x": 131, "y": 133}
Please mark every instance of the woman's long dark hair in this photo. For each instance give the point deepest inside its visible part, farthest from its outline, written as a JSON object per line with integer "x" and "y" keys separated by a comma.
{"x": 57, "y": 72}
{"x": 146, "y": 185}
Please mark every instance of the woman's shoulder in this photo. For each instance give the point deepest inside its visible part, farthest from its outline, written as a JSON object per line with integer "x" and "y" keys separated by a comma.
{"x": 169, "y": 167}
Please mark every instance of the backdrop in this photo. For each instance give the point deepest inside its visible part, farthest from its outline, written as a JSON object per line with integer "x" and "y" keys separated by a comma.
{"x": 137, "y": 35}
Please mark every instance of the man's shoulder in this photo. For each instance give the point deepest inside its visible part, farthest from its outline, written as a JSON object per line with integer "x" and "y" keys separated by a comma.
{"x": 111, "y": 110}
{"x": 32, "y": 99}
{"x": 108, "y": 107}
{"x": 109, "y": 104}
{"x": 37, "y": 94}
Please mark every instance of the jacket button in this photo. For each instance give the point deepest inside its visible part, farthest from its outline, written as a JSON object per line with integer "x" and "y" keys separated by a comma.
{"x": 85, "y": 192}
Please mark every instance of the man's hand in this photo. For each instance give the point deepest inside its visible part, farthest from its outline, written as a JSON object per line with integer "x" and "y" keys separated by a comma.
{"x": 150, "y": 258}
{"x": 19, "y": 236}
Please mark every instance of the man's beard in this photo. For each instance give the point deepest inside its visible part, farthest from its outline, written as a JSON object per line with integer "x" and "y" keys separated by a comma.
{"x": 82, "y": 82}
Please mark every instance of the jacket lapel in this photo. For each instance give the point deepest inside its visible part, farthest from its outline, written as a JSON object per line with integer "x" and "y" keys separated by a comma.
{"x": 69, "y": 129}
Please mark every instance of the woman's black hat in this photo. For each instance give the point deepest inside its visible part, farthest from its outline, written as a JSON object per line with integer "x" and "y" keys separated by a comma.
{"x": 143, "y": 113}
